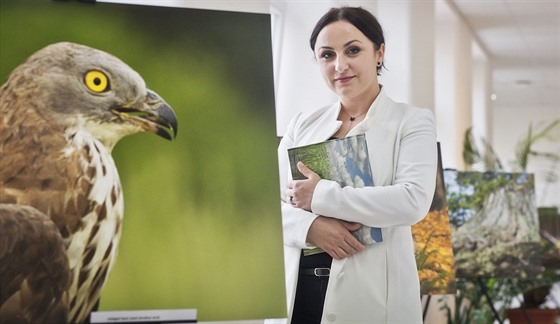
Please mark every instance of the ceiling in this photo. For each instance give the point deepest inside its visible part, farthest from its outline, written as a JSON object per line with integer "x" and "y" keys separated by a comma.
{"x": 521, "y": 38}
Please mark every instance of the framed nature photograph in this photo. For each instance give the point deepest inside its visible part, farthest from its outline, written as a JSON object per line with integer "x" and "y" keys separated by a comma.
{"x": 202, "y": 228}
{"x": 494, "y": 222}
{"x": 432, "y": 244}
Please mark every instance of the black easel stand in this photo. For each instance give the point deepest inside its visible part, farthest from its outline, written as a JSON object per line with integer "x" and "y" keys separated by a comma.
{"x": 490, "y": 303}
{"x": 484, "y": 291}
{"x": 426, "y": 308}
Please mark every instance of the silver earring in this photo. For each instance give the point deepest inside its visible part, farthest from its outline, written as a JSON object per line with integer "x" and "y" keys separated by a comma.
{"x": 379, "y": 64}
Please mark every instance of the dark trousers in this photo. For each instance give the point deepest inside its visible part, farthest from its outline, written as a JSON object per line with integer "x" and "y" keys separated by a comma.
{"x": 310, "y": 297}
{"x": 311, "y": 290}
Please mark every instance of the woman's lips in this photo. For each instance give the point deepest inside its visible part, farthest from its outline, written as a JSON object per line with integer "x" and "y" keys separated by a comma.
{"x": 344, "y": 79}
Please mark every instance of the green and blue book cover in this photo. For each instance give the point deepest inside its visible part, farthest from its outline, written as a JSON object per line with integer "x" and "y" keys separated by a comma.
{"x": 344, "y": 160}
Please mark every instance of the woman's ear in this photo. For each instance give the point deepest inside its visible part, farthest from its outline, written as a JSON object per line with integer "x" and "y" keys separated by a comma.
{"x": 381, "y": 52}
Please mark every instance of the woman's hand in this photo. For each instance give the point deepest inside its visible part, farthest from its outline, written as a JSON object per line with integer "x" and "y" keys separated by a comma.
{"x": 330, "y": 234}
{"x": 300, "y": 192}
{"x": 333, "y": 236}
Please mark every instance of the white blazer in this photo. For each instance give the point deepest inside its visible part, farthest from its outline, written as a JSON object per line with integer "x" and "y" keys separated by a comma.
{"x": 379, "y": 284}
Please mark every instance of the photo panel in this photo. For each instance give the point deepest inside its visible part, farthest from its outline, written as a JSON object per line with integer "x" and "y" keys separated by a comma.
{"x": 494, "y": 223}
{"x": 202, "y": 226}
{"x": 432, "y": 244}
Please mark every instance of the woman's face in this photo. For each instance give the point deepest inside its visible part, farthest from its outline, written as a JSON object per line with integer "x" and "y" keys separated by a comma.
{"x": 348, "y": 61}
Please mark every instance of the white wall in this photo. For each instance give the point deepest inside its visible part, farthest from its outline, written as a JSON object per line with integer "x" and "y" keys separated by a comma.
{"x": 409, "y": 29}
{"x": 517, "y": 119}
{"x": 298, "y": 83}
{"x": 453, "y": 83}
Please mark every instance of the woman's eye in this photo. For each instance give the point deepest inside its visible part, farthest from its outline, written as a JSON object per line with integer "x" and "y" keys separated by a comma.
{"x": 353, "y": 50}
{"x": 327, "y": 55}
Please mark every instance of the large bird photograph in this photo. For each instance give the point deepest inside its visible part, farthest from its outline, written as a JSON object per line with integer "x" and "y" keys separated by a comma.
{"x": 137, "y": 163}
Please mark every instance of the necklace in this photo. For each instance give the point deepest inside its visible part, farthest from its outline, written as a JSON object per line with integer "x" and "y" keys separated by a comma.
{"x": 352, "y": 118}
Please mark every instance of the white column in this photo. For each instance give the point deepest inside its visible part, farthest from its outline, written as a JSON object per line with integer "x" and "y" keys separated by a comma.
{"x": 452, "y": 83}
{"x": 395, "y": 20}
{"x": 422, "y": 45}
{"x": 409, "y": 54}
{"x": 298, "y": 83}
{"x": 481, "y": 91}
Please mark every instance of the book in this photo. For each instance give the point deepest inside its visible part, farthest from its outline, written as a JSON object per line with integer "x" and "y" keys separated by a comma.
{"x": 344, "y": 160}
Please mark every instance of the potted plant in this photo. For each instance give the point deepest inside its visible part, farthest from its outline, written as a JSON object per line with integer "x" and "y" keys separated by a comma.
{"x": 536, "y": 291}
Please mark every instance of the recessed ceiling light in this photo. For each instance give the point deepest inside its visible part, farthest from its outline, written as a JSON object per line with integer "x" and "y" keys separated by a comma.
{"x": 523, "y": 82}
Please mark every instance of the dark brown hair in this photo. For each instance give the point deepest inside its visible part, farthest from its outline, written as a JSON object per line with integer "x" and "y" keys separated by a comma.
{"x": 360, "y": 18}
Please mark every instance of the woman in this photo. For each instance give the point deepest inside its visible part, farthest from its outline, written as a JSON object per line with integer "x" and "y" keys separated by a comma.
{"x": 352, "y": 283}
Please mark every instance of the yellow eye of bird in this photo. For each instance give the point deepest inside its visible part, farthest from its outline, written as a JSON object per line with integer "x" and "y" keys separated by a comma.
{"x": 97, "y": 81}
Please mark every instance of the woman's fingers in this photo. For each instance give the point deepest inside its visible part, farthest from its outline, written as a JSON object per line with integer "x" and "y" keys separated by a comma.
{"x": 333, "y": 237}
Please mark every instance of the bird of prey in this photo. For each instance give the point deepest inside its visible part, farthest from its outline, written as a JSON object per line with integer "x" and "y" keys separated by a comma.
{"x": 61, "y": 206}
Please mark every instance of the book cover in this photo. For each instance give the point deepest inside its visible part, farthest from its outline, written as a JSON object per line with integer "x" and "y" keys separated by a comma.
{"x": 344, "y": 160}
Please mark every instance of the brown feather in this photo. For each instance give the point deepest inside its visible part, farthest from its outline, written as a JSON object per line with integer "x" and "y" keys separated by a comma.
{"x": 32, "y": 256}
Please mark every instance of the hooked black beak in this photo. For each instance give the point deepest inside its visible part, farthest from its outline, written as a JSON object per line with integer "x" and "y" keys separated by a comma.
{"x": 153, "y": 115}
{"x": 166, "y": 122}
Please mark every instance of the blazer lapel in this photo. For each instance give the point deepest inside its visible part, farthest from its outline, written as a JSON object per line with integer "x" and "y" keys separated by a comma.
{"x": 327, "y": 125}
